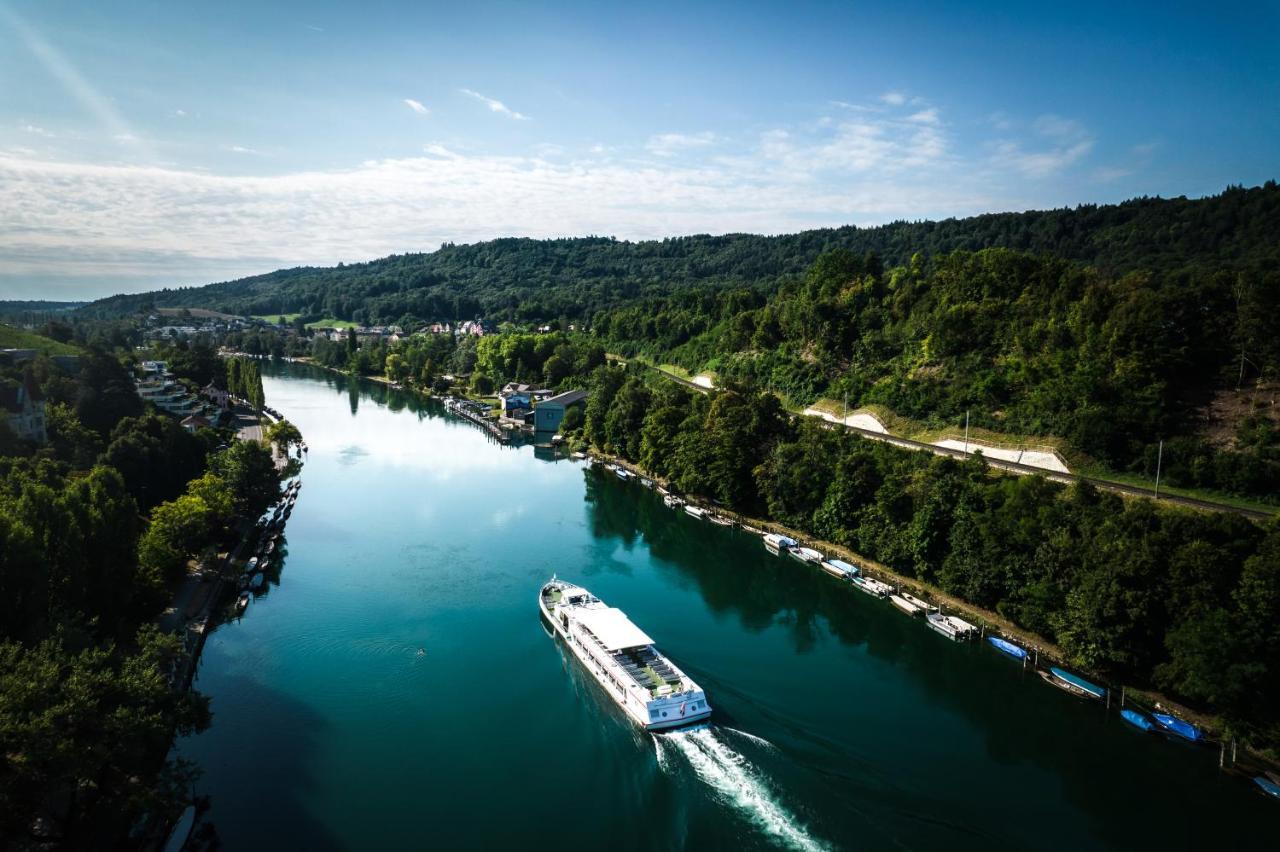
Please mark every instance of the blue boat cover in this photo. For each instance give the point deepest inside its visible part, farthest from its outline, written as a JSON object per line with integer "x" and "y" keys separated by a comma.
{"x": 1174, "y": 725}
{"x": 1076, "y": 680}
{"x": 1133, "y": 717}
{"x": 1008, "y": 647}
{"x": 1268, "y": 786}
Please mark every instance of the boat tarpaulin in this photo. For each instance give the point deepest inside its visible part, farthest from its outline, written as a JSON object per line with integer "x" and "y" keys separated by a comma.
{"x": 1174, "y": 725}
{"x": 1007, "y": 647}
{"x": 1079, "y": 682}
{"x": 612, "y": 627}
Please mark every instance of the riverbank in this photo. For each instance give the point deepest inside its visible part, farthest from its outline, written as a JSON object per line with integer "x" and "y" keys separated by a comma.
{"x": 1043, "y": 651}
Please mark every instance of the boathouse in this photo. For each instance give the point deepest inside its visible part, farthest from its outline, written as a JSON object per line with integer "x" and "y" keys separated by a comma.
{"x": 550, "y": 412}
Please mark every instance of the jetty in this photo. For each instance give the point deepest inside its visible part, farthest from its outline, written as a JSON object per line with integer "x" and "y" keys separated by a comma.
{"x": 471, "y": 411}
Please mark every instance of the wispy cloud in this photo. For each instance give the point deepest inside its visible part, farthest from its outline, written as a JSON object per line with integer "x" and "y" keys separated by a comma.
{"x": 670, "y": 144}
{"x": 416, "y": 106}
{"x": 70, "y": 78}
{"x": 35, "y": 130}
{"x": 242, "y": 149}
{"x": 1057, "y": 144}
{"x": 894, "y": 98}
{"x": 495, "y": 105}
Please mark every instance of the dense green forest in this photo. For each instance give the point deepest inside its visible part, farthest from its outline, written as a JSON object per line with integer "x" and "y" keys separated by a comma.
{"x": 95, "y": 527}
{"x": 529, "y": 280}
{"x": 1184, "y": 601}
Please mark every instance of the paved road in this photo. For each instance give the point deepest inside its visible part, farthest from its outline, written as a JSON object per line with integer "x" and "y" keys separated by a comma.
{"x": 1023, "y": 469}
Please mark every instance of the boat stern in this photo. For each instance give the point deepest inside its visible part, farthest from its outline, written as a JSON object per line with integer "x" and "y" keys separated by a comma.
{"x": 673, "y": 711}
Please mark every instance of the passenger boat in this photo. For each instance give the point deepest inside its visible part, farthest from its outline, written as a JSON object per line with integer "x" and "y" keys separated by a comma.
{"x": 1074, "y": 684}
{"x": 775, "y": 543}
{"x": 1178, "y": 727}
{"x": 955, "y": 629}
{"x": 672, "y": 501}
{"x": 839, "y": 568}
{"x": 719, "y": 519}
{"x": 806, "y": 554}
{"x": 873, "y": 587}
{"x": 695, "y": 511}
{"x": 649, "y": 688}
{"x": 1004, "y": 647}
{"x": 1133, "y": 717}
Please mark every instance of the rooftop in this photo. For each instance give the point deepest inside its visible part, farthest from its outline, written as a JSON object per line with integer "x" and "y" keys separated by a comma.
{"x": 567, "y": 398}
{"x": 612, "y": 627}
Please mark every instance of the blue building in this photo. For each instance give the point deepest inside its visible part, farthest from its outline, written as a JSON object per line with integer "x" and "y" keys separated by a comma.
{"x": 550, "y": 412}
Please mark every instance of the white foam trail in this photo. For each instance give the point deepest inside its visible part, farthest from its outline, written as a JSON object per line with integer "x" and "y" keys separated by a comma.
{"x": 760, "y": 741}
{"x": 739, "y": 783}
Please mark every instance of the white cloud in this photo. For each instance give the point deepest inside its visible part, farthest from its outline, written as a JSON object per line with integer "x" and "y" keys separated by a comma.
{"x": 27, "y": 127}
{"x": 180, "y": 113}
{"x": 894, "y": 98}
{"x": 241, "y": 149}
{"x": 670, "y": 144}
{"x": 495, "y": 105}
{"x": 1108, "y": 174}
{"x": 416, "y": 106}
{"x": 925, "y": 116}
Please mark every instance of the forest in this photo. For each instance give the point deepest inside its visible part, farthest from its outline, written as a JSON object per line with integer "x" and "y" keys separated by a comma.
{"x": 95, "y": 527}
{"x": 1151, "y": 595}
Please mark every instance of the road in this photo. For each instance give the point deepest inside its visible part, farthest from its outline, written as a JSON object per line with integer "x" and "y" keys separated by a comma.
{"x": 1022, "y": 469}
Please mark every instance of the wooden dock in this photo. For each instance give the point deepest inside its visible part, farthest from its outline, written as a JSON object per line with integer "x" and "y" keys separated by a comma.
{"x": 457, "y": 407}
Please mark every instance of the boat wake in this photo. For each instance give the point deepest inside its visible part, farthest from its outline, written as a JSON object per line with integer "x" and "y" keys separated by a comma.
{"x": 735, "y": 781}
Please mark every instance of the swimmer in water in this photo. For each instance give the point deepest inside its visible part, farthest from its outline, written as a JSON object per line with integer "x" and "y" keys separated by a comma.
{"x": 422, "y": 652}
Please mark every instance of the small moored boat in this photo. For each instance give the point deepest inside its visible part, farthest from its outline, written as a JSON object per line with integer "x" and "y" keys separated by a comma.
{"x": 1178, "y": 727}
{"x": 905, "y": 605}
{"x": 918, "y": 604}
{"x": 623, "y": 474}
{"x": 694, "y": 511}
{"x": 649, "y": 688}
{"x": 647, "y": 483}
{"x": 775, "y": 543}
{"x": 1133, "y": 717}
{"x": 242, "y": 601}
{"x": 955, "y": 629}
{"x": 672, "y": 501}
{"x": 1005, "y": 647}
{"x": 1267, "y": 786}
{"x": 871, "y": 586}
{"x": 721, "y": 520}
{"x": 839, "y": 568}
{"x": 1074, "y": 684}
{"x": 806, "y": 554}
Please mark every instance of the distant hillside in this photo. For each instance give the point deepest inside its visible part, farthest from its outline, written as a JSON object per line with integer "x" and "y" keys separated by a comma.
{"x": 34, "y": 311}
{"x": 524, "y": 279}
{"x": 17, "y": 338}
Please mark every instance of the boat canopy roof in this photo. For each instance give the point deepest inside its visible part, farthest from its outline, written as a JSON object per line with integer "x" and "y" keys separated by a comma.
{"x": 1076, "y": 680}
{"x": 612, "y": 627}
{"x": 783, "y": 540}
{"x": 843, "y": 566}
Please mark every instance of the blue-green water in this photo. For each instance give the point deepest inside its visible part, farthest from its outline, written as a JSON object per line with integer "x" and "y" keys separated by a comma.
{"x": 840, "y": 723}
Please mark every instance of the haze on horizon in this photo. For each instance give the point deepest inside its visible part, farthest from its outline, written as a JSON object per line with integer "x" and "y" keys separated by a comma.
{"x": 148, "y": 145}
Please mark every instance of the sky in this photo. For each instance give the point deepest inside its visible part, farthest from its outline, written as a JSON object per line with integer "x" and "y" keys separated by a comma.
{"x": 159, "y": 144}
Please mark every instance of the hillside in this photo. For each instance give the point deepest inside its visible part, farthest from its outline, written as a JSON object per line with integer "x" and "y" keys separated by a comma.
{"x": 527, "y": 280}
{"x": 12, "y": 337}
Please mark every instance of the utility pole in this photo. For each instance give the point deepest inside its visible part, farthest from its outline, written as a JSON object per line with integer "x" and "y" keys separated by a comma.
{"x": 966, "y": 433}
{"x": 1159, "y": 460}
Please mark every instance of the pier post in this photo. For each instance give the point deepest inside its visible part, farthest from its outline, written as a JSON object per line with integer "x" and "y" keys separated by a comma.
{"x": 1108, "y": 699}
{"x": 1233, "y": 751}
{"x": 1222, "y": 753}
{"x": 1121, "y": 697}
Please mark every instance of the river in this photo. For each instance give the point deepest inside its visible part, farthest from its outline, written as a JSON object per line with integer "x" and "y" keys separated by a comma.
{"x": 839, "y": 724}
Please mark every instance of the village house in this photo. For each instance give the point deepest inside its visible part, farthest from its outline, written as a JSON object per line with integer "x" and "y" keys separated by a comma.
{"x": 23, "y": 407}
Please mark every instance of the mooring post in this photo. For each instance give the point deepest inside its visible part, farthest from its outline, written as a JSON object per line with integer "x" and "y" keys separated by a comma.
{"x": 1122, "y": 697}
{"x": 1222, "y": 753}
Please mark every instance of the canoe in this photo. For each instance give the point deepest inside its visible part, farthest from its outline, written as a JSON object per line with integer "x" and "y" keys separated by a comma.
{"x": 1177, "y": 727}
{"x": 1074, "y": 684}
{"x": 1007, "y": 648}
{"x": 1133, "y": 717}
{"x": 1266, "y": 785}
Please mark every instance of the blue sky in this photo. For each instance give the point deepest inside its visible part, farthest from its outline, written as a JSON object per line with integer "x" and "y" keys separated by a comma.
{"x": 147, "y": 144}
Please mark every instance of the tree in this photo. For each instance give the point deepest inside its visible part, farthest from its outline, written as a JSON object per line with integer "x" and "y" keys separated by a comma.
{"x": 397, "y": 369}
{"x": 250, "y": 472}
{"x": 283, "y": 435}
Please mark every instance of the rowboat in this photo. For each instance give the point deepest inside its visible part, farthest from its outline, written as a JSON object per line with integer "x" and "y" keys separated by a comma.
{"x": 1177, "y": 727}
{"x": 1007, "y": 648}
{"x": 1074, "y": 684}
{"x": 1133, "y": 717}
{"x": 720, "y": 519}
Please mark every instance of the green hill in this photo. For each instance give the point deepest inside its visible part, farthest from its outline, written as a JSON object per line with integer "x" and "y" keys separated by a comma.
{"x": 12, "y": 337}
{"x": 529, "y": 280}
